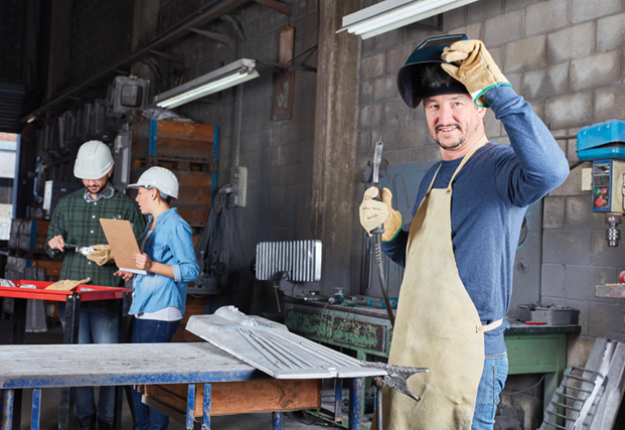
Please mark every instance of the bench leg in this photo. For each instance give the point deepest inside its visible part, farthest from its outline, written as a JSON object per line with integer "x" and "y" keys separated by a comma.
{"x": 276, "y": 418}
{"x": 190, "y": 406}
{"x": 355, "y": 393}
{"x": 36, "y": 410}
{"x": 6, "y": 416}
{"x": 206, "y": 422}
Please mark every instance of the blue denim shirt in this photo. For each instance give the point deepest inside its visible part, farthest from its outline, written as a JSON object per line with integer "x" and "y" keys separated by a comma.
{"x": 170, "y": 243}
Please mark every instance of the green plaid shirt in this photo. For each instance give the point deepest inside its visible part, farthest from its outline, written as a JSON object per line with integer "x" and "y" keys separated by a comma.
{"x": 78, "y": 221}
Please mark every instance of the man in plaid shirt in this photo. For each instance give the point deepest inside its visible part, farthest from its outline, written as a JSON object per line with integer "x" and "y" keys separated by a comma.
{"x": 76, "y": 220}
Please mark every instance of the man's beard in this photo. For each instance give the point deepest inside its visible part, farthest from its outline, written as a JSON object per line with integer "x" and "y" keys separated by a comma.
{"x": 458, "y": 144}
{"x": 102, "y": 188}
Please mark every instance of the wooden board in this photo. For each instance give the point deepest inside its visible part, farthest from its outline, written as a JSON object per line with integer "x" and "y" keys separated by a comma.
{"x": 185, "y": 130}
{"x": 195, "y": 216}
{"x": 121, "y": 239}
{"x": 228, "y": 398}
{"x": 193, "y": 197}
{"x": 186, "y": 179}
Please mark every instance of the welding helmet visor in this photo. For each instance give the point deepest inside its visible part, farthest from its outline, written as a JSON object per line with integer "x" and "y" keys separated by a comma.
{"x": 429, "y": 52}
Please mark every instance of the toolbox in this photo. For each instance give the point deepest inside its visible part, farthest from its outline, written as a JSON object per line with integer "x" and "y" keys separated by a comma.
{"x": 552, "y": 315}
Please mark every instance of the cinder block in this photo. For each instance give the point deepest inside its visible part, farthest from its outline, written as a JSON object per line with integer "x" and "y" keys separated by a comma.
{"x": 384, "y": 88}
{"x": 397, "y": 57}
{"x": 492, "y": 126}
{"x": 384, "y": 42}
{"x": 572, "y": 42}
{"x": 519, "y": 4}
{"x": 276, "y": 197}
{"x": 533, "y": 81}
{"x": 363, "y": 143}
{"x": 566, "y": 247}
{"x": 516, "y": 80}
{"x": 595, "y": 71}
{"x": 553, "y": 213}
{"x": 552, "y": 280}
{"x": 611, "y": 32}
{"x": 454, "y": 18}
{"x": 414, "y": 135}
{"x": 584, "y": 10}
{"x": 396, "y": 112}
{"x": 579, "y": 216}
{"x": 568, "y": 111}
{"x": 412, "y": 35}
{"x": 526, "y": 53}
{"x": 578, "y": 349}
{"x": 372, "y": 67}
{"x": 606, "y": 320}
{"x": 546, "y": 16}
{"x": 503, "y": 28}
{"x": 602, "y": 254}
{"x": 572, "y": 186}
{"x": 580, "y": 281}
{"x": 609, "y": 104}
{"x": 388, "y": 136}
{"x": 371, "y": 116}
{"x": 474, "y": 31}
{"x": 484, "y": 9}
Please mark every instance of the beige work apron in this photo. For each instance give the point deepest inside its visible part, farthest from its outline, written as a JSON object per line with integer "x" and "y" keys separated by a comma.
{"x": 437, "y": 326}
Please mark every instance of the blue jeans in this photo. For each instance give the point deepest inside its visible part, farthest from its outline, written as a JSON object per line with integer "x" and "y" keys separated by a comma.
{"x": 493, "y": 380}
{"x": 97, "y": 325}
{"x": 150, "y": 331}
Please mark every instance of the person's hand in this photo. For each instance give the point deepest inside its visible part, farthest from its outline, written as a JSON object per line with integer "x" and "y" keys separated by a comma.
{"x": 126, "y": 276}
{"x": 469, "y": 62}
{"x": 375, "y": 212}
{"x": 142, "y": 261}
{"x": 57, "y": 242}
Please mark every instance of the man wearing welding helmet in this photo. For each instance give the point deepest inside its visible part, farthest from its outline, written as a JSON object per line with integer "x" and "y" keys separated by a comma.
{"x": 459, "y": 250}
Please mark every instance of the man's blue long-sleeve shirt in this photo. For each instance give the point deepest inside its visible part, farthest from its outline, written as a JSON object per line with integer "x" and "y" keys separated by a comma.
{"x": 490, "y": 196}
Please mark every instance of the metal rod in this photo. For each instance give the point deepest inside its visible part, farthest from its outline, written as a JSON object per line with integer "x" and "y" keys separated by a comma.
{"x": 276, "y": 419}
{"x": 378, "y": 406}
{"x": 36, "y": 409}
{"x": 8, "y": 397}
{"x": 338, "y": 400}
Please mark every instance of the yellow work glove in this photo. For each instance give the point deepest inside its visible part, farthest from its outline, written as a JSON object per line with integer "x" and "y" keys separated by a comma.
{"x": 66, "y": 285}
{"x": 374, "y": 212}
{"x": 101, "y": 255}
{"x": 469, "y": 62}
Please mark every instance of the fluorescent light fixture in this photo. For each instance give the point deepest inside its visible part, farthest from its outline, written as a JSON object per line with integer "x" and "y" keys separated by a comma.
{"x": 391, "y": 14}
{"x": 225, "y": 77}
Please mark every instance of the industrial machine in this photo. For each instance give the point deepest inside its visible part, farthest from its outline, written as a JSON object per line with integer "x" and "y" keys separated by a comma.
{"x": 604, "y": 145}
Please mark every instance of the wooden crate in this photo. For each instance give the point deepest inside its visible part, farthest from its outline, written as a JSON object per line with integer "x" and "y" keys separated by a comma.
{"x": 229, "y": 398}
{"x": 173, "y": 139}
{"x": 29, "y": 235}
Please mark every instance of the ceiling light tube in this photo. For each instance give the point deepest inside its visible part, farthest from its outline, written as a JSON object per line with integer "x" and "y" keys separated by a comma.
{"x": 225, "y": 77}
{"x": 391, "y": 14}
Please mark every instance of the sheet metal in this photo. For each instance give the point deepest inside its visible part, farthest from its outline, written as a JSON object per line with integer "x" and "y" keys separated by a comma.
{"x": 270, "y": 347}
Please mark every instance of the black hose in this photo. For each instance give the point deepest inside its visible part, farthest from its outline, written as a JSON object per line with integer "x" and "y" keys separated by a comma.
{"x": 377, "y": 244}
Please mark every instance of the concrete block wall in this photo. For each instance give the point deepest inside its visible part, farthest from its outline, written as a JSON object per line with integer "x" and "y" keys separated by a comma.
{"x": 101, "y": 36}
{"x": 566, "y": 58}
{"x": 278, "y": 154}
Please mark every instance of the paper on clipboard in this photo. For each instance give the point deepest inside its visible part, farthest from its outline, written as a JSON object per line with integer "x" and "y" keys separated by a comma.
{"x": 123, "y": 244}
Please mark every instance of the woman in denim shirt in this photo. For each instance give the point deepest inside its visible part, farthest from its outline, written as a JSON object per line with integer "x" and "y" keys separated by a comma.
{"x": 168, "y": 257}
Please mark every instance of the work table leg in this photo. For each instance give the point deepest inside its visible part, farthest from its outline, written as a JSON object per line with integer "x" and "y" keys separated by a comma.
{"x": 71, "y": 325}
{"x": 276, "y": 418}
{"x": 206, "y": 422}
{"x": 190, "y": 406}
{"x": 7, "y": 403}
{"x": 355, "y": 394}
{"x": 19, "y": 331}
{"x": 36, "y": 410}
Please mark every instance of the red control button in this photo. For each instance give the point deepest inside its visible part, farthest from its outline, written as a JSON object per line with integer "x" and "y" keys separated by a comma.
{"x": 599, "y": 202}
{"x": 602, "y": 190}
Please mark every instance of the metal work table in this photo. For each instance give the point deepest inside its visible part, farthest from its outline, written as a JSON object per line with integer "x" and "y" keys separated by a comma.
{"x": 367, "y": 331}
{"x": 48, "y": 366}
{"x": 82, "y": 293}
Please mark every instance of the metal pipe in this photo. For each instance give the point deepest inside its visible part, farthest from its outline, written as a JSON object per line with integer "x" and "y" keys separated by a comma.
{"x": 238, "y": 124}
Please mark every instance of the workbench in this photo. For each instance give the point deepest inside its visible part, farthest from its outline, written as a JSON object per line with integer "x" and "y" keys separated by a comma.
{"x": 51, "y": 366}
{"x": 367, "y": 331}
{"x": 72, "y": 299}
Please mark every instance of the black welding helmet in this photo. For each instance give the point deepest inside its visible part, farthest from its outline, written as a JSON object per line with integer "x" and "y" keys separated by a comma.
{"x": 427, "y": 53}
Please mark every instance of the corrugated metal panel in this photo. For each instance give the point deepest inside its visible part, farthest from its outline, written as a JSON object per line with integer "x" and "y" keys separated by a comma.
{"x": 301, "y": 258}
{"x": 11, "y": 97}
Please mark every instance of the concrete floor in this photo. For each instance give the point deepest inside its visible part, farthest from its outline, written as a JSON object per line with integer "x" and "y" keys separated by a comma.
{"x": 50, "y": 399}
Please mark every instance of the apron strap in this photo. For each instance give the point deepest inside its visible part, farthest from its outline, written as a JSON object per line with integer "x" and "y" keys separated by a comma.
{"x": 491, "y": 326}
{"x": 483, "y": 141}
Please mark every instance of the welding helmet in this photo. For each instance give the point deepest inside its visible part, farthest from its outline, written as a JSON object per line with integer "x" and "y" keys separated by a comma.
{"x": 94, "y": 160}
{"x": 429, "y": 52}
{"x": 160, "y": 178}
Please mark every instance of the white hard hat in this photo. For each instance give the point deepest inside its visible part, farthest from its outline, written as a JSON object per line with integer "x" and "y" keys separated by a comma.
{"x": 160, "y": 178}
{"x": 94, "y": 160}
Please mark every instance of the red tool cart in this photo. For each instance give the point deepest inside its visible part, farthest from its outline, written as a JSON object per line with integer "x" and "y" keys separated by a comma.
{"x": 25, "y": 289}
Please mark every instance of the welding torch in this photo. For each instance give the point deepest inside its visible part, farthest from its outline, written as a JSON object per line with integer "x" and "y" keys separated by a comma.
{"x": 376, "y": 233}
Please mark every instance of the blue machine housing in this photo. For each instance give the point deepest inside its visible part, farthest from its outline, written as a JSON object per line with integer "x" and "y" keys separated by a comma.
{"x": 603, "y": 140}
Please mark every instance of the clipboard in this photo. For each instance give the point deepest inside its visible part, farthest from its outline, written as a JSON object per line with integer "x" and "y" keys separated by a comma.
{"x": 123, "y": 244}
